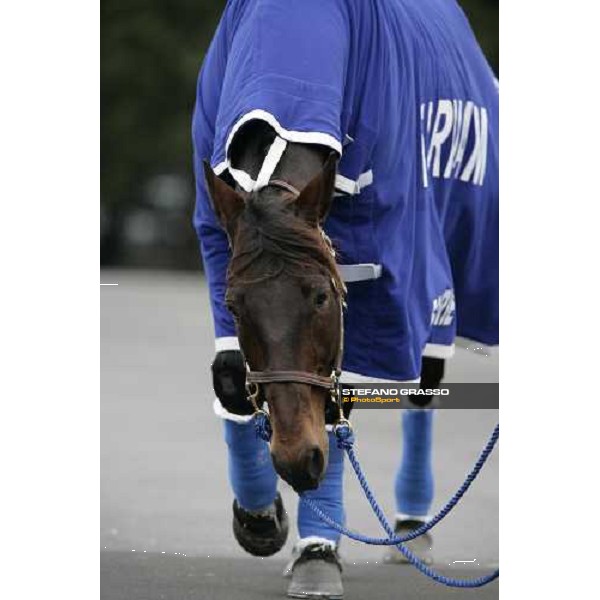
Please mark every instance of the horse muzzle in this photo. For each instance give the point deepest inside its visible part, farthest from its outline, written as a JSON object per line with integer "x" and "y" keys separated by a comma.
{"x": 304, "y": 473}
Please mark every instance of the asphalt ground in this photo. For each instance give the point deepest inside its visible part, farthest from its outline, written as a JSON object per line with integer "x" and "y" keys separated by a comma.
{"x": 158, "y": 577}
{"x": 165, "y": 500}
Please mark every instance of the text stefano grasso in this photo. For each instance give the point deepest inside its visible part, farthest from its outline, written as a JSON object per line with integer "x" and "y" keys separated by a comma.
{"x": 395, "y": 392}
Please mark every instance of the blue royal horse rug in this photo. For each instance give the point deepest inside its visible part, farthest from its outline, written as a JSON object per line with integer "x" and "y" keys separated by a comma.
{"x": 402, "y": 91}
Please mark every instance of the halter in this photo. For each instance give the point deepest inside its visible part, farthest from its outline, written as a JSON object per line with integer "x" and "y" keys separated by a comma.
{"x": 331, "y": 383}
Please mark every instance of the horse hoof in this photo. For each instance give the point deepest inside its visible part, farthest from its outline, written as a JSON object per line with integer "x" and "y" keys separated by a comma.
{"x": 261, "y": 533}
{"x": 317, "y": 574}
{"x": 421, "y": 546}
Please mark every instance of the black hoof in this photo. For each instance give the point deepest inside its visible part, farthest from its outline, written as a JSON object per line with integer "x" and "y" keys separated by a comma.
{"x": 261, "y": 534}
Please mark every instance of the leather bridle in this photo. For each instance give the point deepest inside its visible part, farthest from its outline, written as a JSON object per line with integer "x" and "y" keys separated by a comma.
{"x": 331, "y": 383}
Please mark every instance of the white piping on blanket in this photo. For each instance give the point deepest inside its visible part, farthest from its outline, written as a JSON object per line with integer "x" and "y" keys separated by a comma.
{"x": 349, "y": 186}
{"x": 300, "y": 137}
{"x": 439, "y": 350}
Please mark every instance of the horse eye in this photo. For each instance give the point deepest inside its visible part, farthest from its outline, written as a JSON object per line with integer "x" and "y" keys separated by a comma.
{"x": 320, "y": 299}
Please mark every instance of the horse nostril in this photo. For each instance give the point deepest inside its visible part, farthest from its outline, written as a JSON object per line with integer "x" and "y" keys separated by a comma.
{"x": 315, "y": 461}
{"x": 303, "y": 474}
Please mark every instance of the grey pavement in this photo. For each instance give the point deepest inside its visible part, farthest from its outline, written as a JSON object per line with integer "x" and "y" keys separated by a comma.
{"x": 164, "y": 486}
{"x": 126, "y": 576}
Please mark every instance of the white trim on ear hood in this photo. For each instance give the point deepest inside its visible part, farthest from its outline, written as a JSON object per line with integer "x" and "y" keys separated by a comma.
{"x": 300, "y": 137}
{"x": 270, "y": 163}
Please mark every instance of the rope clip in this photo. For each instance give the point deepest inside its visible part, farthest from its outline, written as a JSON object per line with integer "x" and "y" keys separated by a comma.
{"x": 252, "y": 390}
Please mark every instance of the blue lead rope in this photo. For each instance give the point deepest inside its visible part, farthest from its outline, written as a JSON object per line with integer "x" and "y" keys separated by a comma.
{"x": 394, "y": 540}
{"x": 262, "y": 425}
{"x": 345, "y": 439}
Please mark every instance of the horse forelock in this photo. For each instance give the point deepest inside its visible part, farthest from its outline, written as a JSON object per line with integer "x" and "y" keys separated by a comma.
{"x": 272, "y": 240}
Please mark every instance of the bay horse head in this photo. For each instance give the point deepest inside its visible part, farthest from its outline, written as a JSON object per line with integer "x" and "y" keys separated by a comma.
{"x": 285, "y": 293}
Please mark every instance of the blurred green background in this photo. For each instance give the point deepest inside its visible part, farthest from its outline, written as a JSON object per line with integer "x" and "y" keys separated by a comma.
{"x": 151, "y": 51}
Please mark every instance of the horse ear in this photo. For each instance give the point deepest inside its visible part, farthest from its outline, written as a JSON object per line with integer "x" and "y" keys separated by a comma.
{"x": 227, "y": 203}
{"x": 314, "y": 200}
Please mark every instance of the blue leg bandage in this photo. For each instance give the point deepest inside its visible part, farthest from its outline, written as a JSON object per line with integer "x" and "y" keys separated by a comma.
{"x": 251, "y": 473}
{"x": 330, "y": 497}
{"x": 414, "y": 479}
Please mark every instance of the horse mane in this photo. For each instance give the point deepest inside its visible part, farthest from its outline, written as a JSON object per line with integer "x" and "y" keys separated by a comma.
{"x": 271, "y": 240}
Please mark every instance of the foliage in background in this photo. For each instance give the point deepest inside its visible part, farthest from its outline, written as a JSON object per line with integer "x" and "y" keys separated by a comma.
{"x": 483, "y": 16}
{"x": 151, "y": 51}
